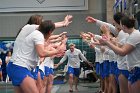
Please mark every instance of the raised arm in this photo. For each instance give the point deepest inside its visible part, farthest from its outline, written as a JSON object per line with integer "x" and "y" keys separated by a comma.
{"x": 62, "y": 60}
{"x": 99, "y": 23}
{"x": 67, "y": 20}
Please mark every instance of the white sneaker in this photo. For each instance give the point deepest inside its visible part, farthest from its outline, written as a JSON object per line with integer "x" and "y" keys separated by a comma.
{"x": 98, "y": 81}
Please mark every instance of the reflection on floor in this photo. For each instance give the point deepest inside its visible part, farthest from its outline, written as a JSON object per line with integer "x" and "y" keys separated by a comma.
{"x": 84, "y": 87}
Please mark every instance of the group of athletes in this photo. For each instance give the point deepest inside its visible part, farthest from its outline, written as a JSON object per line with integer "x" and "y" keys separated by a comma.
{"x": 117, "y": 54}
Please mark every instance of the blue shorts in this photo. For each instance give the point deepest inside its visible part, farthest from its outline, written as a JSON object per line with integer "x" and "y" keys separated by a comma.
{"x": 116, "y": 67}
{"x": 17, "y": 73}
{"x": 124, "y": 72}
{"x": 0, "y": 69}
{"x": 48, "y": 71}
{"x": 101, "y": 70}
{"x": 106, "y": 68}
{"x": 112, "y": 68}
{"x": 74, "y": 71}
{"x": 35, "y": 73}
{"x": 97, "y": 68}
{"x": 134, "y": 75}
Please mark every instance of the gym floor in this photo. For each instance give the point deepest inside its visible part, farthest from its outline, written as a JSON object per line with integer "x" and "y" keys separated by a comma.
{"x": 84, "y": 87}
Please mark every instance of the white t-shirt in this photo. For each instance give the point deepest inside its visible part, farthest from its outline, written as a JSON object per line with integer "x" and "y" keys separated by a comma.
{"x": 25, "y": 31}
{"x": 111, "y": 54}
{"x": 73, "y": 58}
{"x": 41, "y": 67}
{"x": 105, "y": 56}
{"x": 121, "y": 61}
{"x": 99, "y": 55}
{"x": 111, "y": 27}
{"x": 133, "y": 58}
{"x": 49, "y": 62}
{"x": 7, "y": 58}
{"x": 97, "y": 51}
{"x": 27, "y": 55}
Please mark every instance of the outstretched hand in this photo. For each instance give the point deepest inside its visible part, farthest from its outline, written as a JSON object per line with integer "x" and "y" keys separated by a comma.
{"x": 90, "y": 19}
{"x": 68, "y": 20}
{"x": 105, "y": 29}
{"x": 55, "y": 66}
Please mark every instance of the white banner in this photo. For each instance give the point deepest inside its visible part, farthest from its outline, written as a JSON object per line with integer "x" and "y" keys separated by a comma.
{"x": 42, "y": 5}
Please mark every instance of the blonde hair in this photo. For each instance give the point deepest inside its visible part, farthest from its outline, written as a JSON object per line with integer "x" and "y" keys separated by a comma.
{"x": 71, "y": 44}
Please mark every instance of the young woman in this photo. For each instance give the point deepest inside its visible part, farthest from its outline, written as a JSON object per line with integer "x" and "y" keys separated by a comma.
{"x": 130, "y": 48}
{"x": 121, "y": 70}
{"x": 33, "y": 24}
{"x": 28, "y": 55}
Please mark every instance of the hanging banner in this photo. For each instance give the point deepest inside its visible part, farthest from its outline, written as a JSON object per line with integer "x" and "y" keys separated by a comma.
{"x": 117, "y": 3}
{"x": 125, "y": 4}
{"x": 42, "y": 5}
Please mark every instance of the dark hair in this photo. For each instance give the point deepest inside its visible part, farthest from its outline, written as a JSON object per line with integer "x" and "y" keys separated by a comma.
{"x": 46, "y": 27}
{"x": 34, "y": 19}
{"x": 112, "y": 34}
{"x": 117, "y": 17}
{"x": 127, "y": 21}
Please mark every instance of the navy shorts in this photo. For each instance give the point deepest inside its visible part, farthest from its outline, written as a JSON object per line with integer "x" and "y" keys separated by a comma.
{"x": 48, "y": 71}
{"x": 35, "y": 73}
{"x": 97, "y": 68}
{"x": 112, "y": 68}
{"x": 101, "y": 73}
{"x": 106, "y": 68}
{"x": 17, "y": 73}
{"x": 134, "y": 75}
{"x": 124, "y": 72}
{"x": 74, "y": 71}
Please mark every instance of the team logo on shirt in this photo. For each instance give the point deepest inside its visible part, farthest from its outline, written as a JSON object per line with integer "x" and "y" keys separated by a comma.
{"x": 73, "y": 56}
{"x": 40, "y": 1}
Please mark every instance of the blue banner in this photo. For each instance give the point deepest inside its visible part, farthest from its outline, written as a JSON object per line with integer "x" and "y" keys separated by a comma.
{"x": 117, "y": 3}
{"x": 125, "y": 4}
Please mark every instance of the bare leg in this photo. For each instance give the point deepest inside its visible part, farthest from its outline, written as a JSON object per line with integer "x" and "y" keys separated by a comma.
{"x": 18, "y": 89}
{"x": 112, "y": 84}
{"x": 106, "y": 84}
{"x": 71, "y": 81}
{"x": 1, "y": 78}
{"x": 123, "y": 83}
{"x": 28, "y": 85}
{"x": 102, "y": 85}
{"x": 76, "y": 83}
{"x": 50, "y": 83}
{"x": 136, "y": 87}
{"x": 45, "y": 82}
{"x": 40, "y": 85}
{"x": 129, "y": 87}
